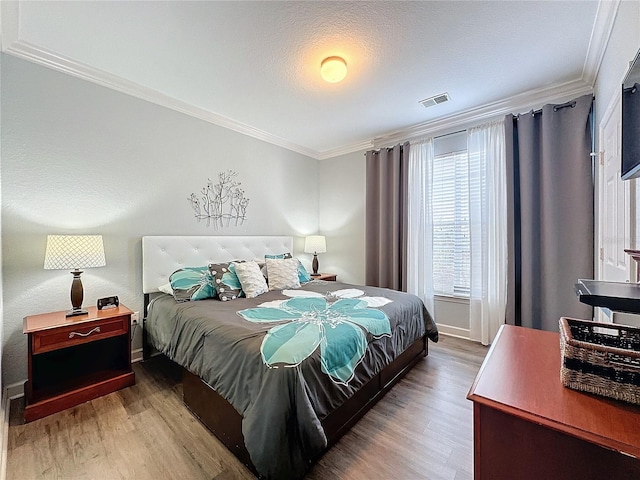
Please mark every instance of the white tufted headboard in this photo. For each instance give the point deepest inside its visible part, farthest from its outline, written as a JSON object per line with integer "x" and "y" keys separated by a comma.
{"x": 163, "y": 255}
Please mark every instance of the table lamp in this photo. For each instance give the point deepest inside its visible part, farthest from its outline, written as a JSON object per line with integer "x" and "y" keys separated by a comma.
{"x": 315, "y": 244}
{"x": 76, "y": 252}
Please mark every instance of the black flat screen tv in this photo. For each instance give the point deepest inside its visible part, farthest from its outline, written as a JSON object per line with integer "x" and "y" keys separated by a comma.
{"x": 631, "y": 122}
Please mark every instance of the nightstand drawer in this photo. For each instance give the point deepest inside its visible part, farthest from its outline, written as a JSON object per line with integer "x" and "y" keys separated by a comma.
{"x": 56, "y": 338}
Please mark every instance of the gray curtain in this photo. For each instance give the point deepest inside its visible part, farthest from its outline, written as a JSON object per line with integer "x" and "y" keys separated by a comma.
{"x": 550, "y": 213}
{"x": 386, "y": 217}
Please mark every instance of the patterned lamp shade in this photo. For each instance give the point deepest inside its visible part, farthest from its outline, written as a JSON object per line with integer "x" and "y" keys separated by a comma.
{"x": 74, "y": 251}
{"x": 315, "y": 244}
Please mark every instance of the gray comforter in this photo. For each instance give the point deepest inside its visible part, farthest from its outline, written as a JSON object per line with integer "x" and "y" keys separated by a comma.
{"x": 282, "y": 408}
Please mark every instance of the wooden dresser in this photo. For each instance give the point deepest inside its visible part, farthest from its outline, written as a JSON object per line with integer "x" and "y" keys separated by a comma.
{"x": 528, "y": 426}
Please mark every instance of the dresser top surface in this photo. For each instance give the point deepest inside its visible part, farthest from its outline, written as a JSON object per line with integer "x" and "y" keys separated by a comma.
{"x": 45, "y": 321}
{"x": 521, "y": 376}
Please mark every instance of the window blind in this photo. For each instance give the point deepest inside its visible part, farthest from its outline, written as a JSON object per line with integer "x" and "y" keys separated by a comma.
{"x": 451, "y": 244}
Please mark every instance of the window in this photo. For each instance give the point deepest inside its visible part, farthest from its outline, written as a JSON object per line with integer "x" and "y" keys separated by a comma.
{"x": 451, "y": 241}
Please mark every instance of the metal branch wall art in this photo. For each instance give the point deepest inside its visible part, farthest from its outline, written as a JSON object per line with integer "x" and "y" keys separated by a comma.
{"x": 222, "y": 204}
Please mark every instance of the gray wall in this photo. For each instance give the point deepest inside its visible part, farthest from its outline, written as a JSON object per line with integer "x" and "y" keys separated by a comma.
{"x": 341, "y": 206}
{"x": 621, "y": 49}
{"x": 80, "y": 158}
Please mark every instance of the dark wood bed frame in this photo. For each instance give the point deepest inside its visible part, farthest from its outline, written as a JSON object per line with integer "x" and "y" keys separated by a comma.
{"x": 225, "y": 422}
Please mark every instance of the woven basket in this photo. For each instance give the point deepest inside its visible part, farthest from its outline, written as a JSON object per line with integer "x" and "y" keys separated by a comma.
{"x": 601, "y": 358}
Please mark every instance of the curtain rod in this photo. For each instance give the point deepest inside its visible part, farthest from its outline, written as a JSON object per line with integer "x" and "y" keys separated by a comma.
{"x": 571, "y": 104}
{"x": 439, "y": 136}
{"x": 451, "y": 133}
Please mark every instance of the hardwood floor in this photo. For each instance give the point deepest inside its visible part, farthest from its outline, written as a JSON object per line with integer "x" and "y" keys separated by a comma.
{"x": 422, "y": 429}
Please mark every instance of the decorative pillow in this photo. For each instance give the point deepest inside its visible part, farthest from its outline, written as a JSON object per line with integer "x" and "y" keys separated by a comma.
{"x": 251, "y": 279}
{"x": 280, "y": 257}
{"x": 225, "y": 280}
{"x": 303, "y": 275}
{"x": 283, "y": 273}
{"x": 192, "y": 283}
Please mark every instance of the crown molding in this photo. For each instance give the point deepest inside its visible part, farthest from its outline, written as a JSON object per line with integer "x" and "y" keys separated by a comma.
{"x": 336, "y": 152}
{"x": 600, "y": 34}
{"x": 42, "y": 56}
{"x": 47, "y": 58}
{"x": 488, "y": 112}
{"x": 11, "y": 43}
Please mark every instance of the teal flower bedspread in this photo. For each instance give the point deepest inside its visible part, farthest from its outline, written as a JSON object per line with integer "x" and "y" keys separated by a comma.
{"x": 288, "y": 364}
{"x": 339, "y": 329}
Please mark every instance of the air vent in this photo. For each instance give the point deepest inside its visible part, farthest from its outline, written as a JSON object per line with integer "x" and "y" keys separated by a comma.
{"x": 435, "y": 100}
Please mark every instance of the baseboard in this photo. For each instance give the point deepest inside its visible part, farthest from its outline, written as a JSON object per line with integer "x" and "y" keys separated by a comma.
{"x": 4, "y": 435}
{"x": 10, "y": 392}
{"x": 136, "y": 355}
{"x": 454, "y": 331}
{"x": 15, "y": 390}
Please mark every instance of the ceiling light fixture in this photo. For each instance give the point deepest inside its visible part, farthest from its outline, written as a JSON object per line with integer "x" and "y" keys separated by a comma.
{"x": 333, "y": 69}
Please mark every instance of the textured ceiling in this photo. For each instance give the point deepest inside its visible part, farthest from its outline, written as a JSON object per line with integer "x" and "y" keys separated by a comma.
{"x": 257, "y": 63}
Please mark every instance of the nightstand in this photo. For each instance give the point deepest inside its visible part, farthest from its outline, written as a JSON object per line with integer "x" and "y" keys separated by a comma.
{"x": 75, "y": 359}
{"x": 329, "y": 277}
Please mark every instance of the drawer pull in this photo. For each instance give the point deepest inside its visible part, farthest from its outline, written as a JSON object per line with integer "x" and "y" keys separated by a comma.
{"x": 72, "y": 334}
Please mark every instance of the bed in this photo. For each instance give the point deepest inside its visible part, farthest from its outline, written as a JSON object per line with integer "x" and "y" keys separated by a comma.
{"x": 281, "y": 377}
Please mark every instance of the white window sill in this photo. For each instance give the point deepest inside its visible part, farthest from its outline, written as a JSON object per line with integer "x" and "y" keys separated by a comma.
{"x": 451, "y": 299}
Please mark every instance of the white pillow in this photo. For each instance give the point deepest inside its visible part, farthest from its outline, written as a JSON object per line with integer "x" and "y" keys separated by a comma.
{"x": 166, "y": 288}
{"x": 283, "y": 273}
{"x": 251, "y": 279}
